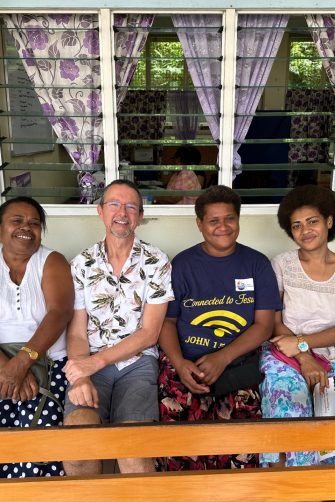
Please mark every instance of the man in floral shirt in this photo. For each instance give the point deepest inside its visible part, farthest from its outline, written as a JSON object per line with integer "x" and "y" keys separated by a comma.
{"x": 122, "y": 286}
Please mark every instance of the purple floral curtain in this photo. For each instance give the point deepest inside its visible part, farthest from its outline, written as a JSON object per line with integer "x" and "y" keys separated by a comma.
{"x": 204, "y": 45}
{"x": 253, "y": 42}
{"x": 324, "y": 39}
{"x": 184, "y": 127}
{"x": 129, "y": 43}
{"x": 65, "y": 75}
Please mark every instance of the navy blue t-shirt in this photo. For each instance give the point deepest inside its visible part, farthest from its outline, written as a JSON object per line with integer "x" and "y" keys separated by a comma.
{"x": 216, "y": 297}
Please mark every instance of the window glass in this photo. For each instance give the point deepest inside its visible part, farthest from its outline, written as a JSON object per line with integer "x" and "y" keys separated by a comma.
{"x": 169, "y": 109}
{"x": 284, "y": 106}
{"x": 182, "y": 114}
{"x": 51, "y": 144}
{"x": 305, "y": 66}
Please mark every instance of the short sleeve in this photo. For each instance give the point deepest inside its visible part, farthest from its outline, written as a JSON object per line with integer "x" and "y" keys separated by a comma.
{"x": 160, "y": 287}
{"x": 177, "y": 286}
{"x": 267, "y": 294}
{"x": 277, "y": 265}
{"x": 78, "y": 282}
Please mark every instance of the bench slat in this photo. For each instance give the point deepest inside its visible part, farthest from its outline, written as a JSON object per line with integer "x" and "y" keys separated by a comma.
{"x": 155, "y": 440}
{"x": 270, "y": 485}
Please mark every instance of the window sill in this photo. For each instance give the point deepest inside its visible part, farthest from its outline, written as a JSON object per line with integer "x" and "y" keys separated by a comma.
{"x": 153, "y": 211}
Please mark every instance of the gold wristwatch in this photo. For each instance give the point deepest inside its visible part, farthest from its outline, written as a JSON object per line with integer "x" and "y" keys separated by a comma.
{"x": 302, "y": 344}
{"x": 32, "y": 353}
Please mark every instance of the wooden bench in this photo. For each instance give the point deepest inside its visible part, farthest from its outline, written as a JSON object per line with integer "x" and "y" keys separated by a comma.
{"x": 155, "y": 440}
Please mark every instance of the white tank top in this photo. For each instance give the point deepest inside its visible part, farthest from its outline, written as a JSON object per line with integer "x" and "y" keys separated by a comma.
{"x": 23, "y": 307}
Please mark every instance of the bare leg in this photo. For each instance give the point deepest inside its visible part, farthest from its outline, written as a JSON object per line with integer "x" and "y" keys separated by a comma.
{"x": 281, "y": 462}
{"x": 134, "y": 465}
{"x": 82, "y": 467}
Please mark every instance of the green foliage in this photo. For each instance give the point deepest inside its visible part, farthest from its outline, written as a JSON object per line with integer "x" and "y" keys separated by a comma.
{"x": 305, "y": 72}
{"x": 139, "y": 74}
{"x": 164, "y": 71}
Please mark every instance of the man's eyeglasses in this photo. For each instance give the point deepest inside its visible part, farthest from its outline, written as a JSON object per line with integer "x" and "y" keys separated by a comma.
{"x": 115, "y": 205}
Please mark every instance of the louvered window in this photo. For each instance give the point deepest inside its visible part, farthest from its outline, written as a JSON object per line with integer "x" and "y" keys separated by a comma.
{"x": 170, "y": 104}
{"x": 50, "y": 119}
{"x": 252, "y": 94}
{"x": 287, "y": 139}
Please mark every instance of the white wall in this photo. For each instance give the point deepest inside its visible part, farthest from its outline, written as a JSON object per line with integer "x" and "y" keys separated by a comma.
{"x": 70, "y": 235}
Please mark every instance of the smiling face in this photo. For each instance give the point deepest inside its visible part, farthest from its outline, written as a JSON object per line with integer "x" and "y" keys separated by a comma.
{"x": 309, "y": 228}
{"x": 220, "y": 228}
{"x": 20, "y": 229}
{"x": 120, "y": 211}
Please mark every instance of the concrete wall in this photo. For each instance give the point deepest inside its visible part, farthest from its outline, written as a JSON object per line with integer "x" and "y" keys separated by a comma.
{"x": 70, "y": 235}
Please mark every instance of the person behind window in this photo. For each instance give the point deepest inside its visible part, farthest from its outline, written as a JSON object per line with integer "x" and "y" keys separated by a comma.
{"x": 35, "y": 306}
{"x": 305, "y": 328}
{"x": 184, "y": 179}
{"x": 225, "y": 298}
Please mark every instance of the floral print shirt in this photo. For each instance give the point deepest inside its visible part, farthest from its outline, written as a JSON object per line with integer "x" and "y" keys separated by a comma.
{"x": 115, "y": 305}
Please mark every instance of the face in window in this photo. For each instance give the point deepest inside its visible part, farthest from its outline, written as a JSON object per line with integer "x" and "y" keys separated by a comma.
{"x": 309, "y": 228}
{"x": 20, "y": 229}
{"x": 220, "y": 228}
{"x": 120, "y": 211}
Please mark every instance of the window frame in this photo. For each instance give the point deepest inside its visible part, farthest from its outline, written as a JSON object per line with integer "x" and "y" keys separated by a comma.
{"x": 105, "y": 14}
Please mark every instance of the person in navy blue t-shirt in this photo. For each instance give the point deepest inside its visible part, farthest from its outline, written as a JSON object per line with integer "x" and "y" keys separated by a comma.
{"x": 226, "y": 295}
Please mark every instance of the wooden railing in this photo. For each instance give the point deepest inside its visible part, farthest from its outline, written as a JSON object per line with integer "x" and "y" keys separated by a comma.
{"x": 315, "y": 483}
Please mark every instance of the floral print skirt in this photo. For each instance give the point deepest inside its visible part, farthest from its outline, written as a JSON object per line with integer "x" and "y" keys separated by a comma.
{"x": 285, "y": 394}
{"x": 177, "y": 403}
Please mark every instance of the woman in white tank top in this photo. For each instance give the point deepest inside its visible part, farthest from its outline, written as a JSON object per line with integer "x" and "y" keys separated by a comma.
{"x": 35, "y": 306}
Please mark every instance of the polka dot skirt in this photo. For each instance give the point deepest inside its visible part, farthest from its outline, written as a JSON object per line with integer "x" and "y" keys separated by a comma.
{"x": 20, "y": 414}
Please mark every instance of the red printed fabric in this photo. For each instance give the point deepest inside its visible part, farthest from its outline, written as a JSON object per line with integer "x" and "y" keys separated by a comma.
{"x": 178, "y": 404}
